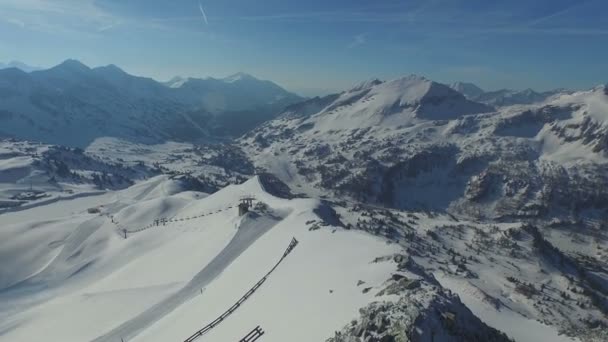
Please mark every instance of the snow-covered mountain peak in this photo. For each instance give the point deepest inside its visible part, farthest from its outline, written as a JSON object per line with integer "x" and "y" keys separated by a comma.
{"x": 602, "y": 88}
{"x": 422, "y": 97}
{"x": 413, "y": 89}
{"x": 239, "y": 76}
{"x": 592, "y": 103}
{"x": 366, "y": 85}
{"x": 177, "y": 82}
{"x": 469, "y": 90}
{"x": 394, "y": 104}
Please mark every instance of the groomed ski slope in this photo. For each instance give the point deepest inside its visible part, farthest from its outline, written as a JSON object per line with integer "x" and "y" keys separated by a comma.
{"x": 88, "y": 283}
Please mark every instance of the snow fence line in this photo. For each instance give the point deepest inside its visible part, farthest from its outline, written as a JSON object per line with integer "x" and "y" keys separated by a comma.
{"x": 162, "y": 221}
{"x": 249, "y": 293}
{"x": 256, "y": 333}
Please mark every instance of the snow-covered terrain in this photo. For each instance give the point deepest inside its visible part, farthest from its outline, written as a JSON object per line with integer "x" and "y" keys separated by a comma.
{"x": 33, "y": 174}
{"x": 419, "y": 215}
{"x": 82, "y": 280}
{"x": 544, "y": 165}
{"x": 214, "y": 166}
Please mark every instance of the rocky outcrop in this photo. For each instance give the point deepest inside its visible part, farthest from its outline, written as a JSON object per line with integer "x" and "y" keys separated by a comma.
{"x": 422, "y": 313}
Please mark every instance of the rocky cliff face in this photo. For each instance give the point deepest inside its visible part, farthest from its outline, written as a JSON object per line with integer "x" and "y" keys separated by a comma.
{"x": 422, "y": 313}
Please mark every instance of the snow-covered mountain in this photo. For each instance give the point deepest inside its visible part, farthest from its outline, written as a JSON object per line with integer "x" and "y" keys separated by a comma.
{"x": 419, "y": 215}
{"x": 388, "y": 146}
{"x": 504, "y": 97}
{"x": 386, "y": 141}
{"x": 72, "y": 104}
{"x": 239, "y": 92}
{"x": 237, "y": 103}
{"x": 391, "y": 103}
{"x": 470, "y": 90}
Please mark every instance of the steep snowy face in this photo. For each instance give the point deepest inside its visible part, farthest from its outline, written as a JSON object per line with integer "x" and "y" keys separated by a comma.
{"x": 428, "y": 99}
{"x": 470, "y": 90}
{"x": 395, "y": 103}
{"x": 366, "y": 85}
{"x": 239, "y": 77}
{"x": 176, "y": 82}
{"x": 582, "y": 134}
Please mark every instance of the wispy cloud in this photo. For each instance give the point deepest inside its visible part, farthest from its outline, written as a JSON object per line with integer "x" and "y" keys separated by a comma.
{"x": 358, "y": 40}
{"x": 60, "y": 16}
{"x": 16, "y": 22}
{"x": 200, "y": 7}
{"x": 558, "y": 13}
{"x": 108, "y": 26}
{"x": 433, "y": 17}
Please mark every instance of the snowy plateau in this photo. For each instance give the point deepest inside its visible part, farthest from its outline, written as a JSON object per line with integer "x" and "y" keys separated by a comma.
{"x": 401, "y": 210}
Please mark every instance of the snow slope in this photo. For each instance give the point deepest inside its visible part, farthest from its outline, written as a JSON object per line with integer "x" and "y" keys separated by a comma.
{"x": 83, "y": 281}
{"x": 33, "y": 174}
{"x": 394, "y": 103}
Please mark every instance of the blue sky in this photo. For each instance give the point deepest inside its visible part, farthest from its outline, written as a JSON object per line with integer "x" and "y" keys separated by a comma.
{"x": 318, "y": 46}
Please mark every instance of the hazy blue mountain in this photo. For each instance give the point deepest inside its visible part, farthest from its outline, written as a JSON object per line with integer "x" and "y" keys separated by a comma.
{"x": 19, "y": 65}
{"x": 72, "y": 104}
{"x": 503, "y": 97}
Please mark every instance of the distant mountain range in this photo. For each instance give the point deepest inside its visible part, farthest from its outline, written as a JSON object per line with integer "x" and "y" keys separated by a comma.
{"x": 19, "y": 65}
{"x": 504, "y": 97}
{"x": 508, "y": 186}
{"x": 72, "y": 104}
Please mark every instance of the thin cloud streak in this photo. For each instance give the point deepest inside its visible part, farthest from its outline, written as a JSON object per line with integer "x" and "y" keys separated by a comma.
{"x": 558, "y": 13}
{"x": 358, "y": 40}
{"x": 200, "y": 7}
{"x": 430, "y": 19}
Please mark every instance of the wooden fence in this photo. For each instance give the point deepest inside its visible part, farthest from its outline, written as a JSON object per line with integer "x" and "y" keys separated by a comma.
{"x": 253, "y": 335}
{"x": 249, "y": 293}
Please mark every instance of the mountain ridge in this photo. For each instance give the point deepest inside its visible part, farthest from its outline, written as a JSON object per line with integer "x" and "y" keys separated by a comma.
{"x": 505, "y": 97}
{"x": 48, "y": 105}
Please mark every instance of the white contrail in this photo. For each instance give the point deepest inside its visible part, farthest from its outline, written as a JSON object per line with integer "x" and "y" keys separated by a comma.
{"x": 200, "y": 6}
